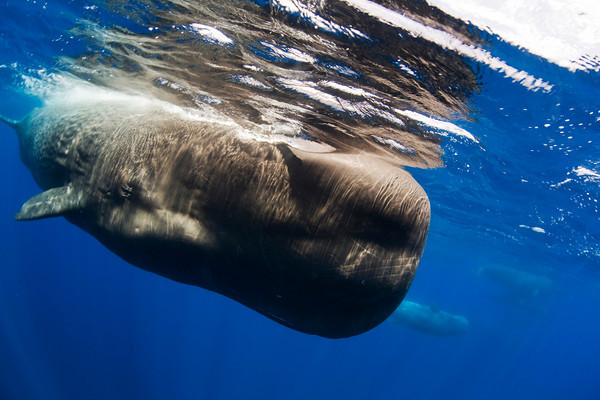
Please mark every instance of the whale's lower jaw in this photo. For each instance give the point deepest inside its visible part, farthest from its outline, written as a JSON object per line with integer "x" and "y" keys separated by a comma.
{"x": 324, "y": 301}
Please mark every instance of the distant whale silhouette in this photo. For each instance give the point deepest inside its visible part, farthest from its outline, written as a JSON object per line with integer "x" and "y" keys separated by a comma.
{"x": 429, "y": 319}
{"x": 324, "y": 243}
{"x": 526, "y": 284}
{"x": 524, "y": 289}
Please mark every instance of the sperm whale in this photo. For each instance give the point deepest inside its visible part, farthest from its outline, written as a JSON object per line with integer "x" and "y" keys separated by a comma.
{"x": 326, "y": 243}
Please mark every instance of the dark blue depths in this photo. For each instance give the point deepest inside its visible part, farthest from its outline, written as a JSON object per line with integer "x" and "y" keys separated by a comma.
{"x": 76, "y": 322}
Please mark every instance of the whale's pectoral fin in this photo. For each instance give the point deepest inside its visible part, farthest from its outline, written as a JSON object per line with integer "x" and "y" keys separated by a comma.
{"x": 12, "y": 123}
{"x": 51, "y": 203}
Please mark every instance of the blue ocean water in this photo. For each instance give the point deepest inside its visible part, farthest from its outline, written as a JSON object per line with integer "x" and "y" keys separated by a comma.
{"x": 514, "y": 247}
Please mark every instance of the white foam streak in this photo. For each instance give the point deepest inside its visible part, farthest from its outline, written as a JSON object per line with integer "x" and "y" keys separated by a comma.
{"x": 587, "y": 173}
{"x": 310, "y": 90}
{"x": 361, "y": 108}
{"x": 448, "y": 41}
{"x": 73, "y": 91}
{"x": 564, "y": 32}
{"x": 533, "y": 228}
{"x": 405, "y": 68}
{"x": 437, "y": 124}
{"x": 348, "y": 89}
{"x": 250, "y": 81}
{"x": 392, "y": 144}
{"x": 295, "y": 7}
{"x": 211, "y": 34}
{"x": 290, "y": 53}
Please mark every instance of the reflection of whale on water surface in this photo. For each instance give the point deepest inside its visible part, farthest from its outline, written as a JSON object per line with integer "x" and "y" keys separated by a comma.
{"x": 429, "y": 319}
{"x": 326, "y": 72}
{"x": 325, "y": 243}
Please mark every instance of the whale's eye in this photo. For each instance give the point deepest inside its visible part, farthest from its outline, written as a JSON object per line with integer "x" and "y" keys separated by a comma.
{"x": 126, "y": 190}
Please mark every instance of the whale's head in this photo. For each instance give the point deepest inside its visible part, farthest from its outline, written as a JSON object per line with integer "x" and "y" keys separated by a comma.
{"x": 43, "y": 150}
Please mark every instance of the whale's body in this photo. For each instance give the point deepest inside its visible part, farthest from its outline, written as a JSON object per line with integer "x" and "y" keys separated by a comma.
{"x": 521, "y": 283}
{"x": 324, "y": 243}
{"x": 429, "y": 319}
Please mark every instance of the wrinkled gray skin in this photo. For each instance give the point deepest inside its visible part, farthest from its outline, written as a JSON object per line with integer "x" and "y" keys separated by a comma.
{"x": 326, "y": 244}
